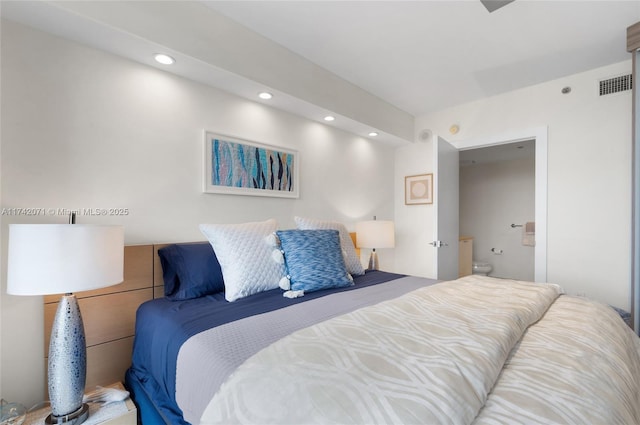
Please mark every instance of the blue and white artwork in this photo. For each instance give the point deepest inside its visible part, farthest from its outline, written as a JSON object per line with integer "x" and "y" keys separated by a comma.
{"x": 247, "y": 168}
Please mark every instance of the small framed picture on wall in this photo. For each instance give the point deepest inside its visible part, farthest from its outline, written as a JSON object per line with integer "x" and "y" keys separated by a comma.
{"x": 418, "y": 189}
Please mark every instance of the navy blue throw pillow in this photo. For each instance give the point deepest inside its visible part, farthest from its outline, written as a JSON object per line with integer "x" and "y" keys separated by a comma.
{"x": 190, "y": 270}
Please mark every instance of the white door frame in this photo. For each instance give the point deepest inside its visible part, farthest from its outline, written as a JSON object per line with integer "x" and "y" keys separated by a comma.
{"x": 540, "y": 134}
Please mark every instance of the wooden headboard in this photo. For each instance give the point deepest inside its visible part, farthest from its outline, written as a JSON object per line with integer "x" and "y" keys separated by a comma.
{"x": 109, "y": 314}
{"x": 355, "y": 243}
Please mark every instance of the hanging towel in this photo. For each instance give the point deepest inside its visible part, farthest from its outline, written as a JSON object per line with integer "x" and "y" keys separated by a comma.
{"x": 530, "y": 227}
{"x": 529, "y": 234}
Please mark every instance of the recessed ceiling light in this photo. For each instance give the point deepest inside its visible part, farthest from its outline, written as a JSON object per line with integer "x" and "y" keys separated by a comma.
{"x": 164, "y": 59}
{"x": 373, "y": 134}
{"x": 265, "y": 95}
{"x": 329, "y": 118}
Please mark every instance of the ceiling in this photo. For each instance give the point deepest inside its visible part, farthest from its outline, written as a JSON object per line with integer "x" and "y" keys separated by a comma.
{"x": 370, "y": 63}
{"x": 426, "y": 55}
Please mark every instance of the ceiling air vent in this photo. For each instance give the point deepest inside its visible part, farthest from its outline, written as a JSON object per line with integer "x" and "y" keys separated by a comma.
{"x": 616, "y": 84}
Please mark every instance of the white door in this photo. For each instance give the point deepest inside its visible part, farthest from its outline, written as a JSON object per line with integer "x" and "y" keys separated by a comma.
{"x": 445, "y": 197}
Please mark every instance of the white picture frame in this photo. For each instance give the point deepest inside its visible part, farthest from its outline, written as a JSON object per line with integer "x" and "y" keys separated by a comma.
{"x": 242, "y": 167}
{"x": 418, "y": 189}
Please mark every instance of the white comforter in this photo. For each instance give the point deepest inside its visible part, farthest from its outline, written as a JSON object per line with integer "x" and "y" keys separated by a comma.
{"x": 475, "y": 350}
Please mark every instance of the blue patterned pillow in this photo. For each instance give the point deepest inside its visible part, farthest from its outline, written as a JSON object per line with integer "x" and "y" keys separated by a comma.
{"x": 313, "y": 259}
{"x": 351, "y": 258}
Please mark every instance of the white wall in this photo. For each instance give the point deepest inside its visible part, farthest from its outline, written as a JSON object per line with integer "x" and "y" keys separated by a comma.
{"x": 589, "y": 173}
{"x": 209, "y": 37}
{"x": 85, "y": 129}
{"x": 492, "y": 197}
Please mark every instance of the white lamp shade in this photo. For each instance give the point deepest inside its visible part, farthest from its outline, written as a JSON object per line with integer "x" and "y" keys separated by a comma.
{"x": 375, "y": 234}
{"x": 62, "y": 258}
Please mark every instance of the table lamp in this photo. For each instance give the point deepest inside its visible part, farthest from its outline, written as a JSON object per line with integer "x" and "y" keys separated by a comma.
{"x": 375, "y": 234}
{"x": 48, "y": 259}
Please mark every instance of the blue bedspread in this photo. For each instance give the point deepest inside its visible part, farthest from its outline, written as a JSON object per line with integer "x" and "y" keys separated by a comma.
{"x": 162, "y": 326}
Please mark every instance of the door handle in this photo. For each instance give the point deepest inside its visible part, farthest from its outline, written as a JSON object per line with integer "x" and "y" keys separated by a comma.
{"x": 438, "y": 244}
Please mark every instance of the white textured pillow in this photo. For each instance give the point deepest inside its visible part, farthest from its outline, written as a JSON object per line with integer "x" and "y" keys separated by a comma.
{"x": 351, "y": 260}
{"x": 245, "y": 257}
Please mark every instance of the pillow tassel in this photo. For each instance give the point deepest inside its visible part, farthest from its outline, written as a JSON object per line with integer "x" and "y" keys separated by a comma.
{"x": 278, "y": 256}
{"x": 285, "y": 283}
{"x": 293, "y": 294}
{"x": 272, "y": 240}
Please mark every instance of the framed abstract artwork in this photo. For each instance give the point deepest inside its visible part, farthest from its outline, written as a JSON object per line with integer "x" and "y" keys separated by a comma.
{"x": 242, "y": 167}
{"x": 418, "y": 189}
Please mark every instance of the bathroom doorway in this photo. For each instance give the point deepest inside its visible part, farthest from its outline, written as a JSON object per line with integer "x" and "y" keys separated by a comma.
{"x": 497, "y": 207}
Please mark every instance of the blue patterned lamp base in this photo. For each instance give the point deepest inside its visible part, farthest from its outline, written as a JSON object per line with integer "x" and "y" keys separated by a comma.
{"x": 74, "y": 418}
{"x": 373, "y": 261}
{"x": 67, "y": 372}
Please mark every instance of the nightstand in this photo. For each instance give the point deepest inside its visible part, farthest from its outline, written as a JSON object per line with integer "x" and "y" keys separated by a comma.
{"x": 120, "y": 413}
{"x": 465, "y": 256}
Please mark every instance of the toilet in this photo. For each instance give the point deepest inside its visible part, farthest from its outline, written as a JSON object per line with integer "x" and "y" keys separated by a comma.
{"x": 481, "y": 268}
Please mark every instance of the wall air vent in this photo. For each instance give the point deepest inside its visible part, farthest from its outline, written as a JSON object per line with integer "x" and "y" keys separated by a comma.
{"x": 616, "y": 84}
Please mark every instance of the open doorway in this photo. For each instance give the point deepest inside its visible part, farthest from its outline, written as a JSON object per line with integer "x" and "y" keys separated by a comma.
{"x": 540, "y": 135}
{"x": 497, "y": 208}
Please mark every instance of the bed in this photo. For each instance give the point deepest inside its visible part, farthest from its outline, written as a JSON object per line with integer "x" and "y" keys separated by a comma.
{"x": 382, "y": 348}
